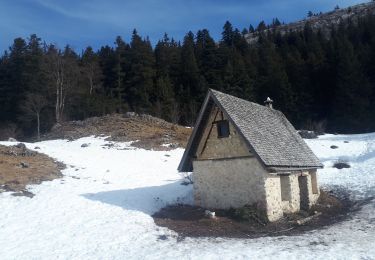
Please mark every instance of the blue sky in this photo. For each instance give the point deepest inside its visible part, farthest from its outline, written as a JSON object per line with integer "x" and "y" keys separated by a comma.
{"x": 97, "y": 22}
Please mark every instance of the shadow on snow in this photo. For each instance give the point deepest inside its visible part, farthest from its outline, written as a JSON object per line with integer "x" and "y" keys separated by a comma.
{"x": 145, "y": 199}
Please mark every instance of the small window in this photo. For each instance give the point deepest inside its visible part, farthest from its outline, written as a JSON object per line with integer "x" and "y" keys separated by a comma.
{"x": 222, "y": 128}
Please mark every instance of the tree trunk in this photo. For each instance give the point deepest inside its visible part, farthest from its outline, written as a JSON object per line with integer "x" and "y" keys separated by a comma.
{"x": 91, "y": 85}
{"x": 38, "y": 125}
{"x": 57, "y": 102}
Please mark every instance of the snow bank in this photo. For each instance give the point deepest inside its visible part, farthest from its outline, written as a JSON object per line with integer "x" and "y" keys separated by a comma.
{"x": 101, "y": 208}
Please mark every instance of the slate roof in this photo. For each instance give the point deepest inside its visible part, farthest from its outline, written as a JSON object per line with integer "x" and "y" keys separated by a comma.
{"x": 266, "y": 131}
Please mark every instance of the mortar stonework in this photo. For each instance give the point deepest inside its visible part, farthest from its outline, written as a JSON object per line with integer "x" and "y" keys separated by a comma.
{"x": 236, "y": 182}
{"x": 273, "y": 197}
{"x": 313, "y": 197}
{"x": 292, "y": 202}
{"x": 229, "y": 183}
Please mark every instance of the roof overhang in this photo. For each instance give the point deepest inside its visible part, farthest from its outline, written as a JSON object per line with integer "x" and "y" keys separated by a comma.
{"x": 278, "y": 169}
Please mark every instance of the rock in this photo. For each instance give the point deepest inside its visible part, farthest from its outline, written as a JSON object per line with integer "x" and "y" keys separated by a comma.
{"x": 109, "y": 145}
{"x": 21, "y": 146}
{"x": 209, "y": 214}
{"x": 307, "y": 134}
{"x": 78, "y": 123}
{"x": 149, "y": 118}
{"x": 167, "y": 155}
{"x": 23, "y": 193}
{"x": 36, "y": 147}
{"x": 173, "y": 146}
{"x": 308, "y": 219}
{"x": 130, "y": 114}
{"x": 334, "y": 147}
{"x": 341, "y": 165}
{"x": 21, "y": 150}
{"x": 56, "y": 127}
{"x": 24, "y": 165}
{"x": 346, "y": 142}
{"x": 11, "y": 139}
{"x": 93, "y": 120}
{"x": 162, "y": 237}
{"x": 85, "y": 145}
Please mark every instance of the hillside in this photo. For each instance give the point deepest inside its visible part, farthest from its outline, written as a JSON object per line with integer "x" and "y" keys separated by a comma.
{"x": 324, "y": 22}
{"x": 145, "y": 131}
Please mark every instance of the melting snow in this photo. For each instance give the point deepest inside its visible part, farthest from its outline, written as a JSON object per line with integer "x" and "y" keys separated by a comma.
{"x": 101, "y": 208}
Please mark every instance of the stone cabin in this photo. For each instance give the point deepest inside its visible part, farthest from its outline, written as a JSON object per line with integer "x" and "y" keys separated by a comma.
{"x": 242, "y": 153}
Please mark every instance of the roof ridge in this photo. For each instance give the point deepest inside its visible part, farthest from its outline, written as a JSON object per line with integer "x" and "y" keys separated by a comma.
{"x": 251, "y": 102}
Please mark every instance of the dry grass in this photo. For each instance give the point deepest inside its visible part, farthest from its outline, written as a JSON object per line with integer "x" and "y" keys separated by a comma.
{"x": 36, "y": 168}
{"x": 151, "y": 132}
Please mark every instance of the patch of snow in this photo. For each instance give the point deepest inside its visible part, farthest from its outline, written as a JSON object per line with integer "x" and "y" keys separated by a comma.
{"x": 103, "y": 210}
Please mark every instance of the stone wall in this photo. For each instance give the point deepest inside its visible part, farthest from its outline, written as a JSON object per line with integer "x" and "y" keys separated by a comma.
{"x": 229, "y": 183}
{"x": 273, "y": 197}
{"x": 236, "y": 182}
{"x": 290, "y": 193}
{"x": 313, "y": 194}
{"x": 308, "y": 195}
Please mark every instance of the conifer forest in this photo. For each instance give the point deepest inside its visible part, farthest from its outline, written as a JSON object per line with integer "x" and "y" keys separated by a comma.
{"x": 319, "y": 82}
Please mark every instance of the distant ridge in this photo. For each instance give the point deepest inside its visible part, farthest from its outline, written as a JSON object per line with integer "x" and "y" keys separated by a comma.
{"x": 324, "y": 21}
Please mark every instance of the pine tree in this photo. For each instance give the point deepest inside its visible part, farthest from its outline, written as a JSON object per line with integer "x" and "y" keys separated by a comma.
{"x": 351, "y": 103}
{"x": 208, "y": 62}
{"x": 164, "y": 90}
{"x": 121, "y": 51}
{"x": 275, "y": 22}
{"x": 251, "y": 29}
{"x": 141, "y": 74}
{"x": 189, "y": 84}
{"x": 227, "y": 34}
{"x": 273, "y": 80}
{"x": 261, "y": 26}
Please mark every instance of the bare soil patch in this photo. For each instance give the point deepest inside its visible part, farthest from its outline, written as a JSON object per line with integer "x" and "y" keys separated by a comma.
{"x": 20, "y": 166}
{"x": 191, "y": 221}
{"x": 150, "y": 132}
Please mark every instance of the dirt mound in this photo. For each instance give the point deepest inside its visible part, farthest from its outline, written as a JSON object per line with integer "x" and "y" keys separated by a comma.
{"x": 20, "y": 166}
{"x": 149, "y": 132}
{"x": 192, "y": 221}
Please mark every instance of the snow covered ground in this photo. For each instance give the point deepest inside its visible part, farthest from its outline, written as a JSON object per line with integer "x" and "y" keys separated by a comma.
{"x": 101, "y": 208}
